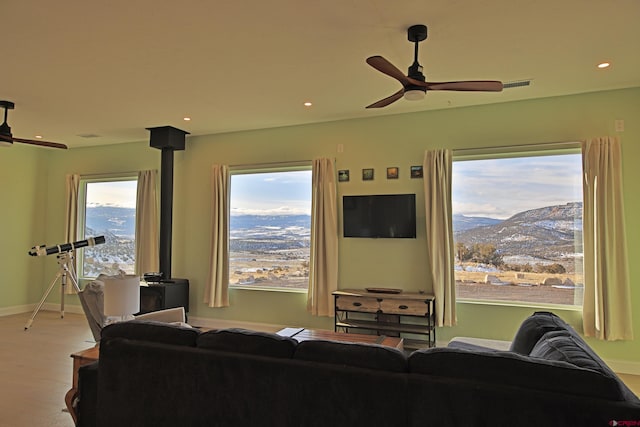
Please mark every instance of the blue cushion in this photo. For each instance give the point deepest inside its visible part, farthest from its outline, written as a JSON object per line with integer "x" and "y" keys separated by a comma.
{"x": 245, "y": 341}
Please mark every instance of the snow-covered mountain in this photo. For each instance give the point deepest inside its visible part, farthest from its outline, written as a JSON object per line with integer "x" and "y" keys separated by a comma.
{"x": 463, "y": 222}
{"x": 551, "y": 233}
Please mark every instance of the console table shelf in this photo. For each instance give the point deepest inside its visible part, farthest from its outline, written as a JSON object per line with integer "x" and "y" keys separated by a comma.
{"x": 386, "y": 314}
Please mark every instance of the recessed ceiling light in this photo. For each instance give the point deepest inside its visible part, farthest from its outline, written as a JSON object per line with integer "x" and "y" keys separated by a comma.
{"x": 604, "y": 65}
{"x": 38, "y": 136}
{"x": 308, "y": 104}
{"x": 186, "y": 119}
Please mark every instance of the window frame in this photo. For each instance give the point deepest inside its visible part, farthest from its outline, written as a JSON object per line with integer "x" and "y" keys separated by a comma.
{"x": 511, "y": 152}
{"x": 257, "y": 169}
{"x": 82, "y": 212}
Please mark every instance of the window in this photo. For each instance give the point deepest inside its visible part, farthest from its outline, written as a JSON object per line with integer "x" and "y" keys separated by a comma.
{"x": 107, "y": 207}
{"x": 270, "y": 229}
{"x": 517, "y": 226}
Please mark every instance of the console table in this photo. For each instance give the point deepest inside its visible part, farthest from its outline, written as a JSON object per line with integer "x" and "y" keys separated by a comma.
{"x": 388, "y": 314}
{"x": 80, "y": 358}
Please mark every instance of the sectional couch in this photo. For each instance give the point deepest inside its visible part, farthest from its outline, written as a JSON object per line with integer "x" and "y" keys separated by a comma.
{"x": 152, "y": 374}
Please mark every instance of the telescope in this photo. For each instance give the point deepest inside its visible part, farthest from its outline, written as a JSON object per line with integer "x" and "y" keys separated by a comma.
{"x": 65, "y": 247}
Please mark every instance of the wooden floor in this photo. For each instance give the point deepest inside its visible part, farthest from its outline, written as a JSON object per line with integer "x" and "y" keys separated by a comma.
{"x": 35, "y": 368}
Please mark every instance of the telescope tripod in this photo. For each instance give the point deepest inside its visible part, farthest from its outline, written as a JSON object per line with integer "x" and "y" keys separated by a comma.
{"x": 66, "y": 271}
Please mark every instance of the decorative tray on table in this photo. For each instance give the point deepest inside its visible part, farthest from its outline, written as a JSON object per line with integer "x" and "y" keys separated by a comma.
{"x": 384, "y": 290}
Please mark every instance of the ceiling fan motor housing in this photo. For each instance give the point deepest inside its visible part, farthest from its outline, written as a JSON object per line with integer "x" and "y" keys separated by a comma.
{"x": 5, "y": 130}
{"x": 417, "y": 33}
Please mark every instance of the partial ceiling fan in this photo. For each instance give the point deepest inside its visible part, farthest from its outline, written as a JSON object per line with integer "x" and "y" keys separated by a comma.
{"x": 414, "y": 86}
{"x": 7, "y": 139}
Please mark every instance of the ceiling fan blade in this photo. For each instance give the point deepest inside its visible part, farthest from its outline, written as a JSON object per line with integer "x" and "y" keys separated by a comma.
{"x": 40, "y": 143}
{"x": 388, "y": 100}
{"x": 472, "y": 85}
{"x": 386, "y": 67}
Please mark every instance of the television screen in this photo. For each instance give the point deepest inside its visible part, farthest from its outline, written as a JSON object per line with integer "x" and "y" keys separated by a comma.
{"x": 379, "y": 216}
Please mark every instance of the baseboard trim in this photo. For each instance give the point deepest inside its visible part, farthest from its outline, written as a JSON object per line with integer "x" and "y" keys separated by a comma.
{"x": 16, "y": 309}
{"x": 68, "y": 308}
{"x": 19, "y": 309}
{"x": 619, "y": 366}
{"x": 624, "y": 366}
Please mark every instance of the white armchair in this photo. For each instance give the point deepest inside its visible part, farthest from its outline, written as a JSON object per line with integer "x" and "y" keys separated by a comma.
{"x": 92, "y": 301}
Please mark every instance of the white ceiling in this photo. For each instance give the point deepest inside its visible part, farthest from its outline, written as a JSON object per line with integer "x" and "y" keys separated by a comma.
{"x": 113, "y": 68}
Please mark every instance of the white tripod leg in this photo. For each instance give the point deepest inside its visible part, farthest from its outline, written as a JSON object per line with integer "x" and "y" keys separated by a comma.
{"x": 44, "y": 297}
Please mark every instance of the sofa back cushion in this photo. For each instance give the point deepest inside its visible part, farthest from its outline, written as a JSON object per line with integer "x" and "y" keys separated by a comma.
{"x": 248, "y": 342}
{"x": 370, "y": 356}
{"x": 152, "y": 331}
{"x": 533, "y": 328}
{"x": 558, "y": 345}
{"x": 512, "y": 369}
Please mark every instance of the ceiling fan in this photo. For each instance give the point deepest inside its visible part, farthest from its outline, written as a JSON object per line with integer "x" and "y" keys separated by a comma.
{"x": 7, "y": 139}
{"x": 414, "y": 86}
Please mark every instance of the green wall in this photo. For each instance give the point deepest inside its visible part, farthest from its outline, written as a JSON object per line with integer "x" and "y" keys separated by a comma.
{"x": 23, "y": 175}
{"x": 380, "y": 142}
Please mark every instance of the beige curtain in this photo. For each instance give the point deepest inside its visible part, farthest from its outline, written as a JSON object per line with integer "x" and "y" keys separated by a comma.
{"x": 437, "y": 198}
{"x": 72, "y": 187}
{"x": 323, "y": 259}
{"x": 216, "y": 290}
{"x": 147, "y": 234}
{"x": 607, "y": 300}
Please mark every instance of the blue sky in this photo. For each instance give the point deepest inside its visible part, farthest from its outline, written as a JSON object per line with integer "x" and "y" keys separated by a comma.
{"x": 115, "y": 193}
{"x": 499, "y": 188}
{"x": 271, "y": 193}
{"x": 496, "y": 188}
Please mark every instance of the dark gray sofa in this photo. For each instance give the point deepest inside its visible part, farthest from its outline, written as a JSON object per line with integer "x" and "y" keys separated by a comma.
{"x": 152, "y": 374}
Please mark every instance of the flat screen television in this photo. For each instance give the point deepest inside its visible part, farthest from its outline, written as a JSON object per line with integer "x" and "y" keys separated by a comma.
{"x": 379, "y": 216}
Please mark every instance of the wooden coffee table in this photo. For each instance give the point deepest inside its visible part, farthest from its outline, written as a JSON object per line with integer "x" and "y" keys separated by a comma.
{"x": 80, "y": 358}
{"x": 302, "y": 334}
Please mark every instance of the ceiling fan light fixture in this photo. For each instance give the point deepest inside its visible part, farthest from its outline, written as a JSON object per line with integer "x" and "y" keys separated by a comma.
{"x": 414, "y": 95}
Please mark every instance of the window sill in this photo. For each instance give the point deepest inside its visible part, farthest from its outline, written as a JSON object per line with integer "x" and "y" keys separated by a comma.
{"x": 268, "y": 289}
{"x": 534, "y": 305}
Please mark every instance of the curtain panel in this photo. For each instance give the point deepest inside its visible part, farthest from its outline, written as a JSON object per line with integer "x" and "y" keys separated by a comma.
{"x": 216, "y": 293}
{"x": 72, "y": 188}
{"x": 607, "y": 296}
{"x": 323, "y": 258}
{"x": 437, "y": 168}
{"x": 147, "y": 232}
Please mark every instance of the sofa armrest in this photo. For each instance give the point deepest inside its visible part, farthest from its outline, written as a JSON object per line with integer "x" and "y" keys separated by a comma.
{"x": 86, "y": 402}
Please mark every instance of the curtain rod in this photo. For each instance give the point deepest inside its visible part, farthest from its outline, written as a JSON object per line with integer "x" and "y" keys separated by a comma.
{"x": 565, "y": 144}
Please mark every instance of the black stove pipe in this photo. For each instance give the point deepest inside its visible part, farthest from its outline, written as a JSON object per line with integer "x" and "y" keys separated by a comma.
{"x": 168, "y": 139}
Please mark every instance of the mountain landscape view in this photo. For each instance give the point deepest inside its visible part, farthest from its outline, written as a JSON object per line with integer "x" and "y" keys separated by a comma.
{"x": 273, "y": 250}
{"x": 118, "y": 226}
{"x": 551, "y": 234}
{"x": 269, "y": 250}
{"x": 533, "y": 248}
